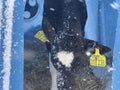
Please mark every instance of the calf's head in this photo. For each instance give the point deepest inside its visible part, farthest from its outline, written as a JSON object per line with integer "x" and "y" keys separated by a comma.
{"x": 68, "y": 44}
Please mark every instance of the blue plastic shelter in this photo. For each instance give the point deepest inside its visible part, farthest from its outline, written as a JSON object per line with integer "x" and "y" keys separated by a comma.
{"x": 103, "y": 25}
{"x": 116, "y": 62}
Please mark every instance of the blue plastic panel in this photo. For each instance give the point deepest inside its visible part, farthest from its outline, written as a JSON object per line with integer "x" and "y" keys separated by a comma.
{"x": 101, "y": 26}
{"x": 102, "y": 21}
{"x": 11, "y": 68}
{"x": 116, "y": 63}
{"x": 91, "y": 28}
{"x": 33, "y": 21}
{"x": 108, "y": 22}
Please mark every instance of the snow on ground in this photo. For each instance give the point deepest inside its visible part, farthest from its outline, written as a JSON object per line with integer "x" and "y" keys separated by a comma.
{"x": 7, "y": 41}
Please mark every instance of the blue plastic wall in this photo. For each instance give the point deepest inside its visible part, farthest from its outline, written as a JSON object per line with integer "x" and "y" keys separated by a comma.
{"x": 33, "y": 25}
{"x": 116, "y": 63}
{"x": 17, "y": 71}
{"x": 103, "y": 19}
{"x": 91, "y": 28}
{"x": 17, "y": 55}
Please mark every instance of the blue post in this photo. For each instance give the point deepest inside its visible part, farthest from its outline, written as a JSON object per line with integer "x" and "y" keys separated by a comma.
{"x": 17, "y": 71}
{"x": 11, "y": 45}
{"x": 116, "y": 63}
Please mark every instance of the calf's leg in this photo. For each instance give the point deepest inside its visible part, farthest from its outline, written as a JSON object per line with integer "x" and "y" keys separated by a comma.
{"x": 53, "y": 75}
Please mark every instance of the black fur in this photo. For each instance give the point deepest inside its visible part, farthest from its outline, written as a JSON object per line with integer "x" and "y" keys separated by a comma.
{"x": 70, "y": 42}
{"x": 69, "y": 36}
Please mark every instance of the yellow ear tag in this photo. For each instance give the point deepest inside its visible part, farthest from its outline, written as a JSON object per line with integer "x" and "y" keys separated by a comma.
{"x": 41, "y": 36}
{"x": 97, "y": 59}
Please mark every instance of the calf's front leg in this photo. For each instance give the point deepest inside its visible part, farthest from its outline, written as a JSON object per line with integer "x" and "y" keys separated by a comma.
{"x": 53, "y": 75}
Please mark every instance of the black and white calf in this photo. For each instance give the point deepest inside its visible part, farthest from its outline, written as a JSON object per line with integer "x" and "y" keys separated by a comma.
{"x": 70, "y": 51}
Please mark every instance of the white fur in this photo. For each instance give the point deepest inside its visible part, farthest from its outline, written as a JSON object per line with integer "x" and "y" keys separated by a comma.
{"x": 53, "y": 72}
{"x": 65, "y": 58}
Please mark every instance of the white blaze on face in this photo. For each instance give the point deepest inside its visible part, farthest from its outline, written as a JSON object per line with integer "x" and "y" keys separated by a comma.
{"x": 65, "y": 58}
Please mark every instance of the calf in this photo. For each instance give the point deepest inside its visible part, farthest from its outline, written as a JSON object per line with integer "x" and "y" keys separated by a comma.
{"x": 70, "y": 51}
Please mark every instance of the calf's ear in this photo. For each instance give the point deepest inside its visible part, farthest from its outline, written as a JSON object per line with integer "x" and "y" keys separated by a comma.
{"x": 48, "y": 29}
{"x": 93, "y": 44}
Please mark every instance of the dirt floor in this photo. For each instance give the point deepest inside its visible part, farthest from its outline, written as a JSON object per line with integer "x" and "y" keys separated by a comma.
{"x": 36, "y": 67}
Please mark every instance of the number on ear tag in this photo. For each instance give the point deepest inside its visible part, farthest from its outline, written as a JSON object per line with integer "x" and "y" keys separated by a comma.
{"x": 97, "y": 59}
